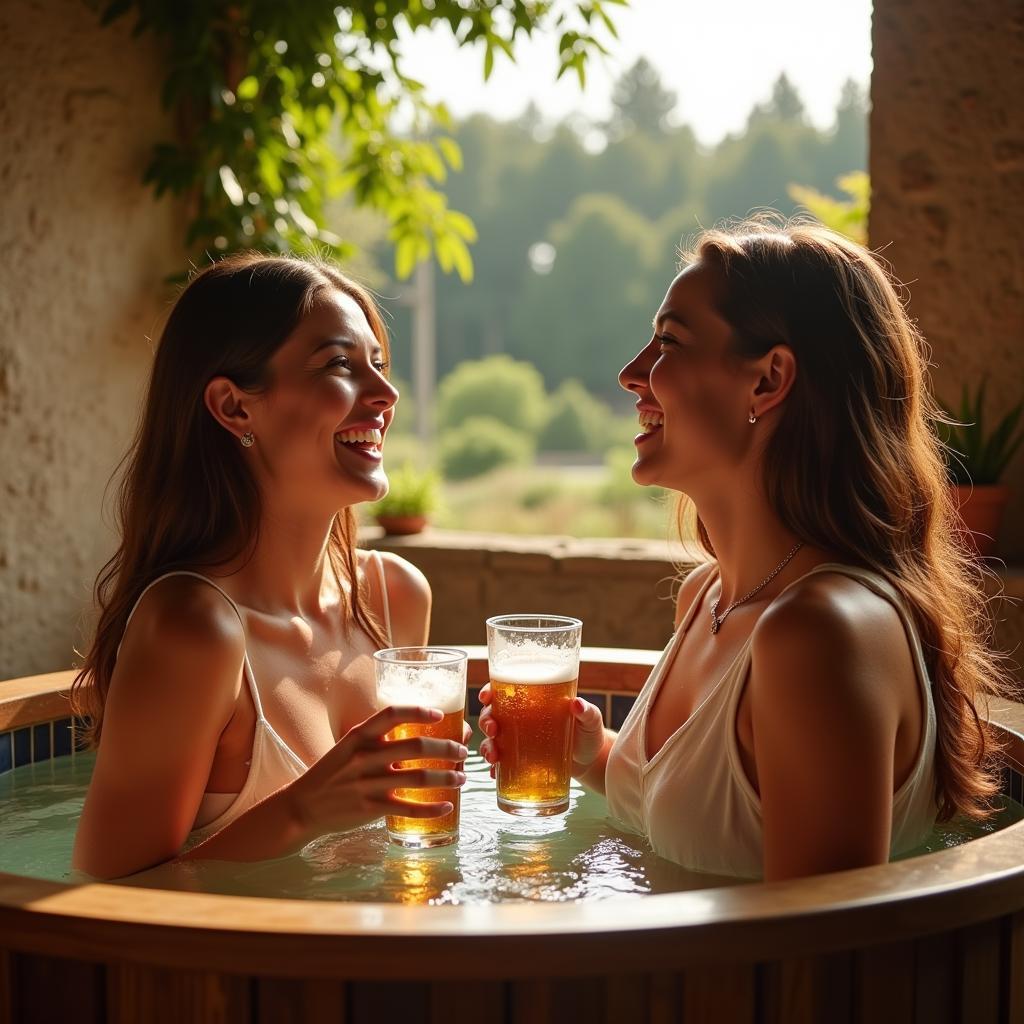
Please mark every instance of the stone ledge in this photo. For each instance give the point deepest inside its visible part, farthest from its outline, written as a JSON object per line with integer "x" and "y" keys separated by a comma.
{"x": 609, "y": 583}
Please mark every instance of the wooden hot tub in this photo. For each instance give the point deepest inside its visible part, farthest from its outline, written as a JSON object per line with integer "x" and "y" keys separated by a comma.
{"x": 938, "y": 938}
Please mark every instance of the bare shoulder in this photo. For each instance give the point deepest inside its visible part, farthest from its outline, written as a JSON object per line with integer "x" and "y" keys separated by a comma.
{"x": 829, "y": 629}
{"x": 690, "y": 588}
{"x": 409, "y": 600}
{"x": 189, "y": 630}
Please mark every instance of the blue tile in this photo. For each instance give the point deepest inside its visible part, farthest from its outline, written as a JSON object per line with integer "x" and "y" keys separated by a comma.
{"x": 41, "y": 742}
{"x": 22, "y": 747}
{"x": 6, "y": 752}
{"x": 620, "y": 708}
{"x": 62, "y": 737}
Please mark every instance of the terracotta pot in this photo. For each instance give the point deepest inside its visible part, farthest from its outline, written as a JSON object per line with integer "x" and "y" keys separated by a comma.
{"x": 402, "y": 526}
{"x": 981, "y": 509}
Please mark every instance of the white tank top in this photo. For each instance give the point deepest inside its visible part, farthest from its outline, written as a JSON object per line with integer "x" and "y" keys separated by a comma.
{"x": 273, "y": 763}
{"x": 693, "y": 800}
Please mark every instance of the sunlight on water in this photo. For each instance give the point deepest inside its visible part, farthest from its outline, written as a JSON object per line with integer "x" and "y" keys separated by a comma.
{"x": 580, "y": 855}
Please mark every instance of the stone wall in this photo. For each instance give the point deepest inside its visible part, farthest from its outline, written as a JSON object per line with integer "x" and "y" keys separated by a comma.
{"x": 84, "y": 252}
{"x": 947, "y": 204}
{"x": 623, "y": 590}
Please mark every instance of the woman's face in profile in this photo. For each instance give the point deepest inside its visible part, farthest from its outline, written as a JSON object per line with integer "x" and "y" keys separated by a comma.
{"x": 320, "y": 425}
{"x": 691, "y": 391}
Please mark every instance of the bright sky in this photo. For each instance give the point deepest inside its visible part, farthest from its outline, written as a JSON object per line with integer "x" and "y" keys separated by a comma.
{"x": 719, "y": 58}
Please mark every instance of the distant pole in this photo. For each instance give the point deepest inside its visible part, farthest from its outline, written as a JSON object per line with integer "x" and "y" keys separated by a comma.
{"x": 424, "y": 349}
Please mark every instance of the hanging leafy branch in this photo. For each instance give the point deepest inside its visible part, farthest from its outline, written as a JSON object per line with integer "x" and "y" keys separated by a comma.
{"x": 281, "y": 107}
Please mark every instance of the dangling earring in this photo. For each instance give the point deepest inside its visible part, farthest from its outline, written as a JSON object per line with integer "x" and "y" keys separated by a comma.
{"x": 247, "y": 439}
{"x": 752, "y": 418}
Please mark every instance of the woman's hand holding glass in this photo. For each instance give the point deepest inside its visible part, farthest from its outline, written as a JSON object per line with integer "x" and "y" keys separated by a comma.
{"x": 587, "y": 736}
{"x": 354, "y": 782}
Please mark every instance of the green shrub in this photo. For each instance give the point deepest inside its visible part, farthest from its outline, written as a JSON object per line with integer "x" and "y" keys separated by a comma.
{"x": 575, "y": 421}
{"x": 479, "y": 445}
{"x": 974, "y": 453}
{"x": 499, "y": 388}
{"x": 410, "y": 493}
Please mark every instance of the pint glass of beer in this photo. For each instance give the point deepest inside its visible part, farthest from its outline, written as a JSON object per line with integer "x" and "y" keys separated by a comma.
{"x": 433, "y": 677}
{"x": 534, "y": 663}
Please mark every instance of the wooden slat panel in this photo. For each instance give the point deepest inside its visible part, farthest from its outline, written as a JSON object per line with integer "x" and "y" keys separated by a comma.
{"x": 374, "y": 1002}
{"x": 579, "y": 999}
{"x": 49, "y": 989}
{"x": 296, "y": 1001}
{"x": 787, "y": 992}
{"x": 163, "y": 996}
{"x": 467, "y": 1002}
{"x": 1013, "y": 968}
{"x": 665, "y": 998}
{"x": 725, "y": 995}
{"x": 530, "y": 1002}
{"x": 6, "y": 988}
{"x": 885, "y": 984}
{"x": 980, "y": 956}
{"x": 628, "y": 998}
{"x": 935, "y": 980}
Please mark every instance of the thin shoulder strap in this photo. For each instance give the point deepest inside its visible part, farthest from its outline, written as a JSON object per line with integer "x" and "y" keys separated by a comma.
{"x": 250, "y": 678}
{"x": 375, "y": 555}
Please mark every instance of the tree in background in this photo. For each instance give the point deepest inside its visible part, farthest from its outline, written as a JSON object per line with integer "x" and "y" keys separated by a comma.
{"x": 499, "y": 388}
{"x": 640, "y": 103}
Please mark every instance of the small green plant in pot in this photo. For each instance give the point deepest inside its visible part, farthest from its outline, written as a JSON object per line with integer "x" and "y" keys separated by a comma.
{"x": 411, "y": 498}
{"x": 976, "y": 459}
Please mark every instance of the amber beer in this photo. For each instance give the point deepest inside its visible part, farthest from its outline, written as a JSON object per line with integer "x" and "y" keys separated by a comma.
{"x": 534, "y": 670}
{"x": 430, "y": 677}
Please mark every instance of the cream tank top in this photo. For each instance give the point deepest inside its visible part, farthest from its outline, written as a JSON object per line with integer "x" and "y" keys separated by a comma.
{"x": 273, "y": 763}
{"x": 693, "y": 800}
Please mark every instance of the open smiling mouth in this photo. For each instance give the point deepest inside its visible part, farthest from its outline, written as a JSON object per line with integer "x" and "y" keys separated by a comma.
{"x": 366, "y": 443}
{"x": 650, "y": 424}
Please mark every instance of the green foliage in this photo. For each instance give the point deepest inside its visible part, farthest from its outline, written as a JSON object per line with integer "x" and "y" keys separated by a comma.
{"x": 410, "y": 493}
{"x": 479, "y": 445}
{"x": 498, "y": 388}
{"x": 261, "y": 91}
{"x": 849, "y": 217}
{"x": 973, "y": 455}
{"x": 639, "y": 102}
{"x": 575, "y": 421}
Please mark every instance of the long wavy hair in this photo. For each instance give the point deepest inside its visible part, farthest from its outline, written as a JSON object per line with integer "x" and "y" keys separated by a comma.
{"x": 854, "y": 465}
{"x": 186, "y": 497}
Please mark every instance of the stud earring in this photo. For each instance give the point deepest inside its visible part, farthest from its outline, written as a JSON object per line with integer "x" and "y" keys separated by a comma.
{"x": 247, "y": 439}
{"x": 752, "y": 418}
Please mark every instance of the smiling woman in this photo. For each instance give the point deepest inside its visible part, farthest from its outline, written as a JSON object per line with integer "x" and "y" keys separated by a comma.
{"x": 237, "y": 598}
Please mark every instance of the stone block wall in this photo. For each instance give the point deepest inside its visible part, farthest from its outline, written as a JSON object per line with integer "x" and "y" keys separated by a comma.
{"x": 623, "y": 590}
{"x": 84, "y": 251}
{"x": 947, "y": 203}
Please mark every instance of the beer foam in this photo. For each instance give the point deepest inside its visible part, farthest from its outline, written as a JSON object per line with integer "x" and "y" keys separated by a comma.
{"x": 533, "y": 670}
{"x": 429, "y": 688}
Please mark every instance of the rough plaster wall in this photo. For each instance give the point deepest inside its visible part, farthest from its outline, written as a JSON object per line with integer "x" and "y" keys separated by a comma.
{"x": 83, "y": 253}
{"x": 947, "y": 205}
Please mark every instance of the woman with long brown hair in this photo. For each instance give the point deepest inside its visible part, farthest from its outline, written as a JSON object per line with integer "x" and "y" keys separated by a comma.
{"x": 815, "y": 709}
{"x": 230, "y": 684}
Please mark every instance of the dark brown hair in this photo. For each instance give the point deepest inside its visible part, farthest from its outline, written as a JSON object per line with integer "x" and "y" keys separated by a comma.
{"x": 854, "y": 465}
{"x": 186, "y": 498}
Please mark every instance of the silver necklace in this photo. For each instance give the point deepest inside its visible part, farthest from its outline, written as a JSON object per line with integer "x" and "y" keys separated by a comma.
{"x": 717, "y": 620}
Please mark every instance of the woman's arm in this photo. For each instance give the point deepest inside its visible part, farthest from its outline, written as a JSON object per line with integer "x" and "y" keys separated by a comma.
{"x": 172, "y": 693}
{"x": 825, "y": 714}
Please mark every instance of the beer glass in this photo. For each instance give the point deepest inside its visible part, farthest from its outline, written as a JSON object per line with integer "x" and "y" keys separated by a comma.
{"x": 533, "y": 662}
{"x": 433, "y": 677}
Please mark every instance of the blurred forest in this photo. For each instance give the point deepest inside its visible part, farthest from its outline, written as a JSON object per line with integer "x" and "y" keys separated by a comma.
{"x": 577, "y": 245}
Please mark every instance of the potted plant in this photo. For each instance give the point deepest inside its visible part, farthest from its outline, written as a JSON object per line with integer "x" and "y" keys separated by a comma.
{"x": 411, "y": 497}
{"x": 976, "y": 460}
